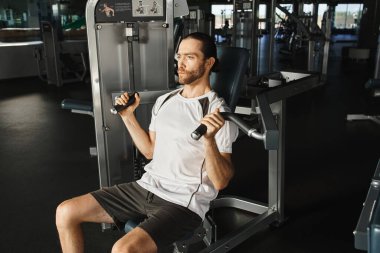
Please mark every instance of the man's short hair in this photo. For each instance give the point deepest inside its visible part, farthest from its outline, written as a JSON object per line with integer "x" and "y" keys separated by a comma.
{"x": 208, "y": 47}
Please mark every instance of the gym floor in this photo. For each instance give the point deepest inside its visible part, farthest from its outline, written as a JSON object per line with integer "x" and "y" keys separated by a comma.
{"x": 44, "y": 159}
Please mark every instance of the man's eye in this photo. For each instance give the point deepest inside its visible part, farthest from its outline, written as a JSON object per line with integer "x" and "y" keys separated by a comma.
{"x": 190, "y": 57}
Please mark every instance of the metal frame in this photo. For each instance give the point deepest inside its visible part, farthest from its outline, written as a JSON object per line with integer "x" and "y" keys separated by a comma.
{"x": 120, "y": 61}
{"x": 352, "y": 117}
{"x": 270, "y": 102}
{"x": 362, "y": 227}
{"x": 53, "y": 48}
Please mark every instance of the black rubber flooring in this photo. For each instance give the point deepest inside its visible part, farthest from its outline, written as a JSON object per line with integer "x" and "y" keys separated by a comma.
{"x": 44, "y": 159}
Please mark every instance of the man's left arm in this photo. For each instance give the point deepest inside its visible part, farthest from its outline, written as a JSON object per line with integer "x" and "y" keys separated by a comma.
{"x": 218, "y": 165}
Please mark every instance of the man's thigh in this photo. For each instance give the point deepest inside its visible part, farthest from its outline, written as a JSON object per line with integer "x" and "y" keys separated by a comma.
{"x": 122, "y": 202}
{"x": 85, "y": 208}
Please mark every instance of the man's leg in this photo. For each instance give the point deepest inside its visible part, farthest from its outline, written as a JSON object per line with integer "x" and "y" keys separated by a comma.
{"x": 71, "y": 213}
{"x": 136, "y": 241}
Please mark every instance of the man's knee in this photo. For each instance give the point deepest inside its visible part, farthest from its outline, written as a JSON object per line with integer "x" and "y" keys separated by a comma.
{"x": 132, "y": 247}
{"x": 125, "y": 247}
{"x": 135, "y": 241}
{"x": 65, "y": 214}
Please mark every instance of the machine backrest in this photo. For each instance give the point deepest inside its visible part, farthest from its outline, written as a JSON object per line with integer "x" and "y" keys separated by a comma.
{"x": 227, "y": 82}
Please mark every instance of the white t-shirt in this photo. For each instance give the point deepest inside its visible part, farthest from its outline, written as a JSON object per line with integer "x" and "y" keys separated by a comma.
{"x": 177, "y": 172}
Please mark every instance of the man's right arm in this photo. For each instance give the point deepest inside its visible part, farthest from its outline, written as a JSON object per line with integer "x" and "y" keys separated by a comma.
{"x": 143, "y": 141}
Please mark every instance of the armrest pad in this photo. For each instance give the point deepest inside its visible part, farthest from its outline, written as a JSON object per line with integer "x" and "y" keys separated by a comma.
{"x": 74, "y": 104}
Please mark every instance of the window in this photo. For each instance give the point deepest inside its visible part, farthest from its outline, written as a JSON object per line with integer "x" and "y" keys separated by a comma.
{"x": 347, "y": 16}
{"x": 262, "y": 15}
{"x": 280, "y": 15}
{"x": 322, "y": 8}
{"x": 222, "y": 14}
{"x": 308, "y": 9}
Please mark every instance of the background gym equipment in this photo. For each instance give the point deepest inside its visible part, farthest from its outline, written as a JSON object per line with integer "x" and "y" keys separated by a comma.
{"x": 61, "y": 61}
{"x": 372, "y": 87}
{"x": 304, "y": 33}
{"x": 367, "y": 231}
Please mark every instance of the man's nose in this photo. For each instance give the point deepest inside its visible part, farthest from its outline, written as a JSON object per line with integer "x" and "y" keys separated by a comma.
{"x": 181, "y": 62}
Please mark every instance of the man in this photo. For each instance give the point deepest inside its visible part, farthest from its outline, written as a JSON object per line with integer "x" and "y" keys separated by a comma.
{"x": 183, "y": 176}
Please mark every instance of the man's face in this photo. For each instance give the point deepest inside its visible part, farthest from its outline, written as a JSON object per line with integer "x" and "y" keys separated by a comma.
{"x": 191, "y": 61}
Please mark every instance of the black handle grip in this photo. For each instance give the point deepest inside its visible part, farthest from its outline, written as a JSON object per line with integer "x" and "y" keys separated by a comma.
{"x": 202, "y": 129}
{"x": 119, "y": 108}
{"x": 199, "y": 132}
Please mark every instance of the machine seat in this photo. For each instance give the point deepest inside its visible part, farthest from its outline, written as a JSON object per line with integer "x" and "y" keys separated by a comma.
{"x": 131, "y": 224}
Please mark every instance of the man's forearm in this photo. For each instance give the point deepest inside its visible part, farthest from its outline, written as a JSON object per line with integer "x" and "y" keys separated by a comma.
{"x": 219, "y": 167}
{"x": 140, "y": 137}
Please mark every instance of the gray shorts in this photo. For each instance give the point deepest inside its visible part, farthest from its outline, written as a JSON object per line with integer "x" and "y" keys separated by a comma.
{"x": 164, "y": 221}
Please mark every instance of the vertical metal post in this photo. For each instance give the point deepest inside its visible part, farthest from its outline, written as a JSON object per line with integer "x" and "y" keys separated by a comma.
{"x": 170, "y": 43}
{"x": 327, "y": 41}
{"x": 234, "y": 37}
{"x": 377, "y": 66}
{"x": 311, "y": 65}
{"x": 271, "y": 35}
{"x": 281, "y": 161}
{"x": 276, "y": 166}
{"x": 310, "y": 56}
{"x": 96, "y": 90}
{"x": 255, "y": 54}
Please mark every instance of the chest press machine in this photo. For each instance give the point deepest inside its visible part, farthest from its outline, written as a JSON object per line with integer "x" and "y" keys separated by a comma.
{"x": 131, "y": 48}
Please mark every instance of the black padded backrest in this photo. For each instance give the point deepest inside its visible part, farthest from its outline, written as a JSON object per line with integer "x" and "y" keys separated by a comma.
{"x": 227, "y": 82}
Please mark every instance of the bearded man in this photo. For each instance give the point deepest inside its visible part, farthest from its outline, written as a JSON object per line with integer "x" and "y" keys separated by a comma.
{"x": 183, "y": 176}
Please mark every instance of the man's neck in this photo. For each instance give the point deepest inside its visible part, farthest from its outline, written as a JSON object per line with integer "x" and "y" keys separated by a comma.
{"x": 195, "y": 90}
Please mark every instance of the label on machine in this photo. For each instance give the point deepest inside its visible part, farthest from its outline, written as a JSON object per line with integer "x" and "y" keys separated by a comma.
{"x": 243, "y": 5}
{"x": 120, "y": 11}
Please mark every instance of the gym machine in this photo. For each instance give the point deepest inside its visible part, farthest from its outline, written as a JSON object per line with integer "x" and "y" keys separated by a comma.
{"x": 318, "y": 39}
{"x": 367, "y": 231}
{"x": 268, "y": 100}
{"x": 63, "y": 57}
{"x": 373, "y": 88}
{"x": 131, "y": 48}
{"x": 60, "y": 61}
{"x": 198, "y": 21}
{"x": 246, "y": 32}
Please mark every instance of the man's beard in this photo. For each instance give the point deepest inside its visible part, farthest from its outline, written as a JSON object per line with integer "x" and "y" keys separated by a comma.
{"x": 190, "y": 76}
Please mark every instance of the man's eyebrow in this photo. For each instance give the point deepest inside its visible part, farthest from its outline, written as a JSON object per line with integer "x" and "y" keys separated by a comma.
{"x": 188, "y": 53}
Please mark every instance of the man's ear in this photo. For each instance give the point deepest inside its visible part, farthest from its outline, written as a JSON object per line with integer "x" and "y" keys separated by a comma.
{"x": 210, "y": 62}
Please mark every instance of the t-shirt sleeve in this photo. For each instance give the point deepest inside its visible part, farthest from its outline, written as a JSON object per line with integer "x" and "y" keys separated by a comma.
{"x": 156, "y": 107}
{"x": 227, "y": 135}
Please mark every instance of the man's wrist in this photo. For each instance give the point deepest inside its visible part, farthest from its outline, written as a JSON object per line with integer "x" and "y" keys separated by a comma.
{"x": 129, "y": 118}
{"x": 209, "y": 142}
